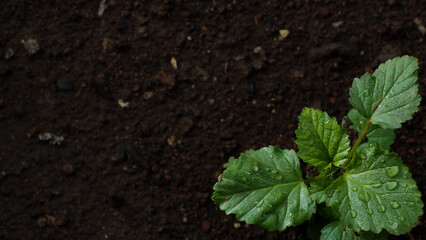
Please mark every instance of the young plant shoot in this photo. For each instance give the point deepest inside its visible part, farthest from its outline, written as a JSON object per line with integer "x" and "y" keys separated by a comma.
{"x": 366, "y": 189}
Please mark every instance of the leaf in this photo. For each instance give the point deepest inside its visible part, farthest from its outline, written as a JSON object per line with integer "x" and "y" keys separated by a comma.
{"x": 376, "y": 192}
{"x": 390, "y": 96}
{"x": 338, "y": 231}
{"x": 375, "y": 134}
{"x": 265, "y": 187}
{"x": 317, "y": 190}
{"x": 320, "y": 139}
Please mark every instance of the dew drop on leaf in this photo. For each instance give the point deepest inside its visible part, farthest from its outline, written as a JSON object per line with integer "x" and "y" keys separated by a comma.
{"x": 411, "y": 204}
{"x": 392, "y": 171}
{"x": 403, "y": 184}
{"x": 278, "y": 177}
{"x": 401, "y": 218}
{"x": 354, "y": 189}
{"x": 381, "y": 208}
{"x": 353, "y": 213}
{"x": 394, "y": 205}
{"x": 391, "y": 221}
{"x": 362, "y": 156}
{"x": 391, "y": 185}
{"x": 336, "y": 190}
{"x": 370, "y": 212}
{"x": 376, "y": 185}
{"x": 364, "y": 196}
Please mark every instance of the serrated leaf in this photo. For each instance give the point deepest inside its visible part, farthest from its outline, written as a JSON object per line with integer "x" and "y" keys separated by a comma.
{"x": 266, "y": 188}
{"x": 317, "y": 190}
{"x": 390, "y": 96}
{"x": 376, "y": 192}
{"x": 320, "y": 139}
{"x": 375, "y": 134}
{"x": 337, "y": 231}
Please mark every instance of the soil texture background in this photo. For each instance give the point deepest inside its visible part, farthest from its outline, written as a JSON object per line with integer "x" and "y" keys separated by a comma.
{"x": 117, "y": 116}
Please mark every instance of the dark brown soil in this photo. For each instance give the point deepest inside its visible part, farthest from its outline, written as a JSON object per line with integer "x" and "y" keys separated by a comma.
{"x": 146, "y": 171}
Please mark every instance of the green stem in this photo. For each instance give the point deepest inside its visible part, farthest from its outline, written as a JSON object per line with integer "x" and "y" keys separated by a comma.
{"x": 358, "y": 142}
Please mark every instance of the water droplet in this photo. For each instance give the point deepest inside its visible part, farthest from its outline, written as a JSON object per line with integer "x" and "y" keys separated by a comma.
{"x": 244, "y": 179}
{"x": 362, "y": 156}
{"x": 381, "y": 208}
{"x": 403, "y": 184}
{"x": 269, "y": 205}
{"x": 404, "y": 176}
{"x": 336, "y": 190}
{"x": 411, "y": 187}
{"x": 278, "y": 177}
{"x": 353, "y": 213}
{"x": 391, "y": 185}
{"x": 411, "y": 204}
{"x": 354, "y": 189}
{"x": 364, "y": 196}
{"x": 274, "y": 171}
{"x": 401, "y": 218}
{"x": 392, "y": 171}
{"x": 391, "y": 221}
{"x": 254, "y": 168}
{"x": 370, "y": 212}
{"x": 376, "y": 185}
{"x": 394, "y": 205}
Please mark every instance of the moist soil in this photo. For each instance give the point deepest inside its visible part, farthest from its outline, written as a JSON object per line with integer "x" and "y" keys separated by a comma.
{"x": 115, "y": 123}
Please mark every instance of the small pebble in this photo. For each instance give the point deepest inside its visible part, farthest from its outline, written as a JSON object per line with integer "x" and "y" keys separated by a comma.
{"x": 257, "y": 50}
{"x": 65, "y": 85}
{"x": 9, "y": 53}
{"x": 31, "y": 45}
{"x": 148, "y": 95}
{"x": 67, "y": 169}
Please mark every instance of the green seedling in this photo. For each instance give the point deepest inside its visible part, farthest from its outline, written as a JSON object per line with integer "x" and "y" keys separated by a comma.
{"x": 365, "y": 190}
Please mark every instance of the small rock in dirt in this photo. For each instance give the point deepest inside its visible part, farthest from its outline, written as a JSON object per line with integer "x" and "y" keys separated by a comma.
{"x": 53, "y": 139}
{"x": 420, "y": 26}
{"x": 148, "y": 95}
{"x": 173, "y": 61}
{"x": 337, "y": 24}
{"x": 257, "y": 50}
{"x": 211, "y": 101}
{"x": 4, "y": 69}
{"x": 67, "y": 169}
{"x": 123, "y": 104}
{"x": 31, "y": 45}
{"x": 137, "y": 157}
{"x": 257, "y": 64}
{"x": 9, "y": 53}
{"x": 102, "y": 7}
{"x": 65, "y": 85}
{"x": 184, "y": 125}
{"x": 205, "y": 226}
{"x": 283, "y": 34}
{"x": 237, "y": 225}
